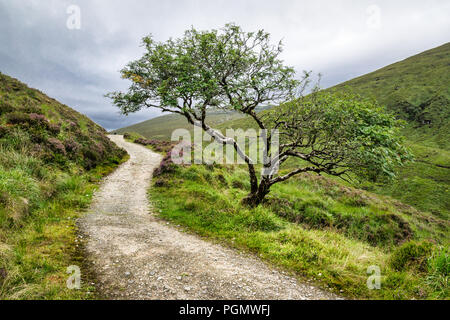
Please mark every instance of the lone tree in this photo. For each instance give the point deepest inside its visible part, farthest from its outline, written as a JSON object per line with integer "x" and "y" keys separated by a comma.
{"x": 333, "y": 133}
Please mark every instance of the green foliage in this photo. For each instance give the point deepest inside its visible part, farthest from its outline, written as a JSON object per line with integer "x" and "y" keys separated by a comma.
{"x": 341, "y": 133}
{"x": 229, "y": 69}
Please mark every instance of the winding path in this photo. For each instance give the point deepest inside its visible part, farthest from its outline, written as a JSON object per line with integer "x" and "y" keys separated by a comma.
{"x": 138, "y": 256}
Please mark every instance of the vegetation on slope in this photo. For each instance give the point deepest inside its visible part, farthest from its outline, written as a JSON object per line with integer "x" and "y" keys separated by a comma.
{"x": 329, "y": 230}
{"x": 314, "y": 227}
{"x": 50, "y": 160}
{"x": 418, "y": 90}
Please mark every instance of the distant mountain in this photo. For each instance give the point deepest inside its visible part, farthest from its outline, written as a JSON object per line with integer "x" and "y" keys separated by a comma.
{"x": 162, "y": 127}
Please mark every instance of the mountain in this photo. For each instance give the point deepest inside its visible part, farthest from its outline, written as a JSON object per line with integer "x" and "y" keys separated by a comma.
{"x": 50, "y": 158}
{"x": 418, "y": 90}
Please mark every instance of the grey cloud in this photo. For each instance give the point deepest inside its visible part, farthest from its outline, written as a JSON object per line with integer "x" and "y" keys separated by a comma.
{"x": 78, "y": 67}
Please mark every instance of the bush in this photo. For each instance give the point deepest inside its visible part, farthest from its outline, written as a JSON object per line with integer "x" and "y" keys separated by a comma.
{"x": 411, "y": 255}
{"x": 3, "y": 131}
{"x": 5, "y": 107}
{"x": 17, "y": 118}
{"x": 165, "y": 166}
{"x": 72, "y": 146}
{"x": 159, "y": 183}
{"x": 56, "y": 146}
{"x": 237, "y": 184}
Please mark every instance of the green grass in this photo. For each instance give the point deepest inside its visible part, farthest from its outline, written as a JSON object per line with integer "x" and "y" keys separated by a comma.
{"x": 51, "y": 159}
{"x": 40, "y": 240}
{"x": 312, "y": 226}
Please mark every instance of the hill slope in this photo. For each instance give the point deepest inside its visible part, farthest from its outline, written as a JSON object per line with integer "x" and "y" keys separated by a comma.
{"x": 161, "y": 128}
{"x": 50, "y": 157}
{"x": 418, "y": 89}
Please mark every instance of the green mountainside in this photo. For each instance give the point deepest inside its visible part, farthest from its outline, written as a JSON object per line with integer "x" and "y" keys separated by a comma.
{"x": 418, "y": 90}
{"x": 161, "y": 128}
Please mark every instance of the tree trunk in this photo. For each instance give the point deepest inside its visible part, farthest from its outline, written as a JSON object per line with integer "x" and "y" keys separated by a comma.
{"x": 254, "y": 199}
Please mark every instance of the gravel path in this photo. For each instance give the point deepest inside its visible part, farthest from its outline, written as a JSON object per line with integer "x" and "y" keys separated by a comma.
{"x": 138, "y": 256}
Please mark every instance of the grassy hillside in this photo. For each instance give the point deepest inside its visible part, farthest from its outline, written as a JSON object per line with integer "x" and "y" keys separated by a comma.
{"x": 50, "y": 160}
{"x": 418, "y": 90}
{"x": 161, "y": 128}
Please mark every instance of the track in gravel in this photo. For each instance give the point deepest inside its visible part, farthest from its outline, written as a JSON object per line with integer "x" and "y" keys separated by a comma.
{"x": 138, "y": 256}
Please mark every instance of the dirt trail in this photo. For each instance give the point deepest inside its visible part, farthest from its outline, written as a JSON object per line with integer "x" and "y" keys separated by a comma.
{"x": 138, "y": 256}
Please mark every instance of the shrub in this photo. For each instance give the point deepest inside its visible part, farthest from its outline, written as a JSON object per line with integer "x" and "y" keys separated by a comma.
{"x": 411, "y": 255}
{"x": 37, "y": 119}
{"x": 5, "y": 107}
{"x": 17, "y": 118}
{"x": 165, "y": 166}
{"x": 3, "y": 131}
{"x": 54, "y": 128}
{"x": 161, "y": 183}
{"x": 72, "y": 146}
{"x": 237, "y": 184}
{"x": 56, "y": 145}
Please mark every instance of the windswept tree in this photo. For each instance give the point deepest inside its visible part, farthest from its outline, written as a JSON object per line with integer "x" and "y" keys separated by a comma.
{"x": 235, "y": 70}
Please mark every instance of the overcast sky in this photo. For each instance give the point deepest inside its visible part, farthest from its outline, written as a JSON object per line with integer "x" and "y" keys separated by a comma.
{"x": 340, "y": 39}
